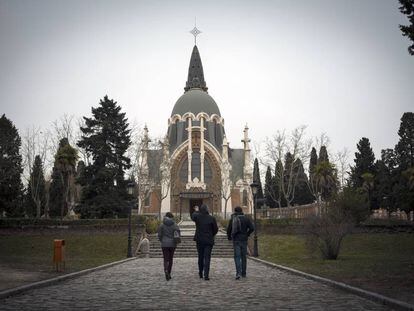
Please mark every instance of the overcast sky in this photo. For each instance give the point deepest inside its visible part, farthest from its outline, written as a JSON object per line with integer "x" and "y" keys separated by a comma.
{"x": 340, "y": 67}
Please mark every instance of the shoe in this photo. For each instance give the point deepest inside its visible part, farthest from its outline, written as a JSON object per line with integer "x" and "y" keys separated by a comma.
{"x": 237, "y": 277}
{"x": 200, "y": 274}
{"x": 206, "y": 278}
{"x": 167, "y": 277}
{"x": 243, "y": 275}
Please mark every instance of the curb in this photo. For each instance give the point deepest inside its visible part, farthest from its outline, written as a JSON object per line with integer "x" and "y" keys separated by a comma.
{"x": 397, "y": 304}
{"x": 21, "y": 289}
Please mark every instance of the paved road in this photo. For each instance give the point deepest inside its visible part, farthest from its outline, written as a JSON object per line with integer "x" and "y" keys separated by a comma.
{"x": 140, "y": 285}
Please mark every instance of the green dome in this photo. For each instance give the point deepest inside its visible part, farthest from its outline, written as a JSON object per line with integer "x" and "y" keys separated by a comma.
{"x": 195, "y": 101}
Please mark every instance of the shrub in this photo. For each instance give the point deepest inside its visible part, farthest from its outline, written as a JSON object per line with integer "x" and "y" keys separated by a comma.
{"x": 326, "y": 231}
{"x": 152, "y": 225}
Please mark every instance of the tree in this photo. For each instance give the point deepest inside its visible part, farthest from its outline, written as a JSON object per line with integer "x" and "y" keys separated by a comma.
{"x": 368, "y": 187}
{"x": 162, "y": 182}
{"x": 342, "y": 166}
{"x": 269, "y": 191}
{"x": 405, "y": 146}
{"x": 364, "y": 163}
{"x": 325, "y": 178}
{"x": 404, "y": 154}
{"x": 407, "y": 8}
{"x": 323, "y": 154}
{"x": 277, "y": 185}
{"x": 302, "y": 192}
{"x": 65, "y": 159}
{"x": 385, "y": 179}
{"x": 256, "y": 179}
{"x": 312, "y": 165}
{"x": 11, "y": 188}
{"x": 36, "y": 195}
{"x": 106, "y": 137}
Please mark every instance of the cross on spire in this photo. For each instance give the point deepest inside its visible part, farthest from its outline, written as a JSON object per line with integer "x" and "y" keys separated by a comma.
{"x": 195, "y": 32}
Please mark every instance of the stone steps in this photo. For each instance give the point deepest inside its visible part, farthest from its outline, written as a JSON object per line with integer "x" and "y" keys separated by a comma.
{"x": 187, "y": 248}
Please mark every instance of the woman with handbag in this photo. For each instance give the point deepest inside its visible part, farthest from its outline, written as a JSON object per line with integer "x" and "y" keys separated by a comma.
{"x": 169, "y": 236}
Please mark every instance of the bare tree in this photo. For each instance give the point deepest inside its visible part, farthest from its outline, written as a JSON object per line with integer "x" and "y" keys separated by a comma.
{"x": 162, "y": 183}
{"x": 35, "y": 142}
{"x": 298, "y": 146}
{"x": 342, "y": 164}
{"x": 228, "y": 184}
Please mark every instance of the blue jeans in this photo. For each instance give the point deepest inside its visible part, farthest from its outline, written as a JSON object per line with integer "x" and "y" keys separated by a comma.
{"x": 204, "y": 257}
{"x": 240, "y": 252}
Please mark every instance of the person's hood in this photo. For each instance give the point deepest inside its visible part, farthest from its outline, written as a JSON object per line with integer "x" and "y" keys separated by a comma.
{"x": 203, "y": 209}
{"x": 168, "y": 221}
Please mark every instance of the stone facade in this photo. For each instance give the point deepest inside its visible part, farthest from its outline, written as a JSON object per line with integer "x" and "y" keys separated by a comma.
{"x": 195, "y": 164}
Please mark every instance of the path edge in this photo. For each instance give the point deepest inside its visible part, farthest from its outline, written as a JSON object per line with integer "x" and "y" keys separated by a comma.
{"x": 391, "y": 302}
{"x": 24, "y": 288}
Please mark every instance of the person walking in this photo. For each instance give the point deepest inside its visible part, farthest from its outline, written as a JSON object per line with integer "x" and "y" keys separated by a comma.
{"x": 239, "y": 229}
{"x": 206, "y": 229}
{"x": 169, "y": 236}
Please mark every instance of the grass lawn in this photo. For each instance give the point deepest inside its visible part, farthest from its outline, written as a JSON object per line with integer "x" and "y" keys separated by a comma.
{"x": 379, "y": 262}
{"x": 24, "y": 255}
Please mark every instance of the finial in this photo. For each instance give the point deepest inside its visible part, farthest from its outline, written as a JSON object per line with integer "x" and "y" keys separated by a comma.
{"x": 195, "y": 32}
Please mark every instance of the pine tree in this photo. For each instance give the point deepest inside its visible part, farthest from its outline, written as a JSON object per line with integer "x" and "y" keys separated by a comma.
{"x": 106, "y": 137}
{"x": 36, "y": 196}
{"x": 256, "y": 179}
{"x": 404, "y": 151}
{"x": 405, "y": 146}
{"x": 11, "y": 188}
{"x": 269, "y": 190}
{"x": 407, "y": 8}
{"x": 364, "y": 163}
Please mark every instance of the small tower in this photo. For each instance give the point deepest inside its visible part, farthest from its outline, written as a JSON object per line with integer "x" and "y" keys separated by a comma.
{"x": 247, "y": 169}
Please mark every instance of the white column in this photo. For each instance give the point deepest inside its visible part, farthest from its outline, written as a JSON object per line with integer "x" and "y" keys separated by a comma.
{"x": 202, "y": 149}
{"x": 190, "y": 150}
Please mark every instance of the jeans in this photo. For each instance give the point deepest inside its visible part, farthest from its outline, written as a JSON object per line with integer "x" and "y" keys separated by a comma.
{"x": 204, "y": 256}
{"x": 168, "y": 254}
{"x": 240, "y": 252}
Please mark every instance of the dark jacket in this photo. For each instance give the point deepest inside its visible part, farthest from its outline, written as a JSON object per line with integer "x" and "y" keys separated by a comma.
{"x": 206, "y": 226}
{"x": 246, "y": 228}
{"x": 166, "y": 232}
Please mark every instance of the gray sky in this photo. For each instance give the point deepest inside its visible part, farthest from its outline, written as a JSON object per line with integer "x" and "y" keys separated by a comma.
{"x": 340, "y": 67}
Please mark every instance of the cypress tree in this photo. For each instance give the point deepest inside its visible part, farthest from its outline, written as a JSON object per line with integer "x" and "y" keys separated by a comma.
{"x": 277, "y": 184}
{"x": 57, "y": 188}
{"x": 36, "y": 196}
{"x": 269, "y": 189}
{"x": 323, "y": 155}
{"x": 11, "y": 188}
{"x": 312, "y": 165}
{"x": 302, "y": 192}
{"x": 106, "y": 137}
{"x": 256, "y": 179}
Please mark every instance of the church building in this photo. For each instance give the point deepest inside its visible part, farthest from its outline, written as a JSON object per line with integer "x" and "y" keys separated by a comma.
{"x": 194, "y": 164}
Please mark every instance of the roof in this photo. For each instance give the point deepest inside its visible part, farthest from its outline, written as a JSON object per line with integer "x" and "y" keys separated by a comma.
{"x": 195, "y": 101}
{"x": 195, "y": 77}
{"x": 236, "y": 159}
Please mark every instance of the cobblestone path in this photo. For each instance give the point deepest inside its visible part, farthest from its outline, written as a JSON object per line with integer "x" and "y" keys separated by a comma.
{"x": 140, "y": 285}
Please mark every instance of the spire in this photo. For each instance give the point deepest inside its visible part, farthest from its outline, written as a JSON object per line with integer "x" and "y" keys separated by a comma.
{"x": 195, "y": 72}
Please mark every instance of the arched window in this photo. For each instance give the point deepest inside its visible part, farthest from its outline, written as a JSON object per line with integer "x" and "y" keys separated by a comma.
{"x": 196, "y": 168}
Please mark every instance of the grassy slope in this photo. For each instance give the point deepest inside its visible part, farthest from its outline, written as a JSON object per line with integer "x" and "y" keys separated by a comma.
{"x": 378, "y": 262}
{"x": 82, "y": 251}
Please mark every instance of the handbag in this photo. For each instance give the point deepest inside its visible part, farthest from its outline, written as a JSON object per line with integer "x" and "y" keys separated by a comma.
{"x": 177, "y": 237}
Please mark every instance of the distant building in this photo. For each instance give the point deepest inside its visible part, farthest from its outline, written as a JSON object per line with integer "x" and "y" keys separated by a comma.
{"x": 195, "y": 164}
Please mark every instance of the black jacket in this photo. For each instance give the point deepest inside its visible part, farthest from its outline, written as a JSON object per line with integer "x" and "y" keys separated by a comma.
{"x": 246, "y": 228}
{"x": 206, "y": 227}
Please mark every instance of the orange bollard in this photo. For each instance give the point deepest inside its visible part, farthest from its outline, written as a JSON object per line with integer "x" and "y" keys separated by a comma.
{"x": 59, "y": 254}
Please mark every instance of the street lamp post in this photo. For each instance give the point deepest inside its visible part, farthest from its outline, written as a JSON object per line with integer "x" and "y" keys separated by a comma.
{"x": 254, "y": 187}
{"x": 130, "y": 187}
